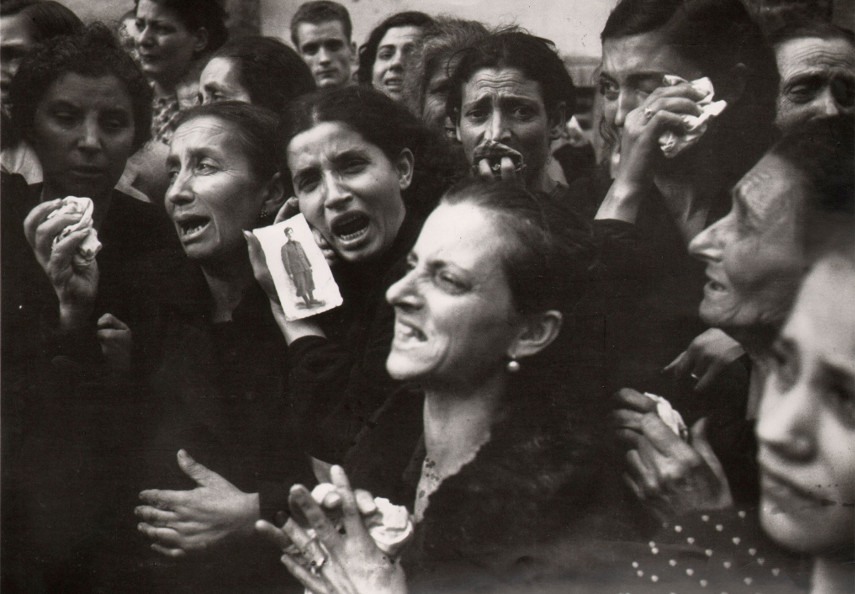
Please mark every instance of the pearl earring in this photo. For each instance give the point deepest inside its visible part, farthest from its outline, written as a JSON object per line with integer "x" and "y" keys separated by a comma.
{"x": 263, "y": 214}
{"x": 513, "y": 366}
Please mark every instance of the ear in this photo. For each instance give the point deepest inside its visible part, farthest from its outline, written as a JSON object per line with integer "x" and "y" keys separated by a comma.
{"x": 734, "y": 84}
{"x": 273, "y": 193}
{"x": 558, "y": 121}
{"x": 455, "y": 117}
{"x": 354, "y": 53}
{"x": 200, "y": 43}
{"x": 404, "y": 166}
{"x": 537, "y": 333}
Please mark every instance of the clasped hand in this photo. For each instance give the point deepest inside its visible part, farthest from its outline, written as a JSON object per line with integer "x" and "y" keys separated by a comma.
{"x": 670, "y": 475}
{"x": 184, "y": 522}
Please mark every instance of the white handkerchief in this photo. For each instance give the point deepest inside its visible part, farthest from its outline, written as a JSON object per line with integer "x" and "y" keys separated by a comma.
{"x": 84, "y": 207}
{"x": 671, "y": 143}
{"x": 670, "y": 416}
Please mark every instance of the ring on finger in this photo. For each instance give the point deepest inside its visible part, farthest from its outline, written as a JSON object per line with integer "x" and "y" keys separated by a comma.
{"x": 694, "y": 376}
{"x": 648, "y": 114}
{"x": 316, "y": 565}
{"x": 314, "y": 552}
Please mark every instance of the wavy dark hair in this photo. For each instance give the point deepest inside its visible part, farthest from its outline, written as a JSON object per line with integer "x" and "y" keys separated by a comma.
{"x": 197, "y": 14}
{"x": 93, "y": 52}
{"x": 382, "y": 122}
{"x": 368, "y": 51}
{"x": 513, "y": 47}
{"x": 48, "y": 18}
{"x": 272, "y": 73}
{"x": 715, "y": 35}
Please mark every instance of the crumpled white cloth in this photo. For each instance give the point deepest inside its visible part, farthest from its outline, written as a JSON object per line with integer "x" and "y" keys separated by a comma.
{"x": 84, "y": 207}
{"x": 671, "y": 143}
{"x": 389, "y": 525}
{"x": 670, "y": 416}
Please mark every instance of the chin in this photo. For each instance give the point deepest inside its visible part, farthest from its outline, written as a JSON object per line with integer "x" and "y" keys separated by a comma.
{"x": 818, "y": 533}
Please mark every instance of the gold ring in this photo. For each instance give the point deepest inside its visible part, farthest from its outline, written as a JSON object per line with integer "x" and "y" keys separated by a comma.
{"x": 648, "y": 114}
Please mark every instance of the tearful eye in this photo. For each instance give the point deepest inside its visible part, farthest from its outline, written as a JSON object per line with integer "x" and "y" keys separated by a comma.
{"x": 609, "y": 90}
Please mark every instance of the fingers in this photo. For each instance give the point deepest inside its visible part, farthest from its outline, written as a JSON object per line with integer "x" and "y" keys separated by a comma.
{"x": 37, "y": 216}
{"x": 290, "y": 209}
{"x": 301, "y": 499}
{"x": 635, "y": 400}
{"x": 153, "y": 516}
{"x": 196, "y": 471}
{"x": 110, "y": 322}
{"x": 166, "y": 537}
{"x": 350, "y": 507}
{"x": 665, "y": 441}
{"x": 169, "y": 552}
{"x": 273, "y": 533}
{"x": 315, "y": 583}
{"x": 678, "y": 366}
{"x": 679, "y": 105}
{"x": 704, "y": 449}
{"x": 484, "y": 170}
{"x": 62, "y": 254}
{"x": 684, "y": 90}
{"x": 165, "y": 500}
{"x": 643, "y": 477}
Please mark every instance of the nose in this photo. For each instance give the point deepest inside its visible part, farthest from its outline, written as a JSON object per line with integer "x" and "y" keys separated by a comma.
{"x": 145, "y": 36}
{"x": 397, "y": 61}
{"x": 336, "y": 192}
{"x": 179, "y": 191}
{"x": 626, "y": 102}
{"x": 90, "y": 135}
{"x": 323, "y": 55}
{"x": 498, "y": 129}
{"x": 787, "y": 422}
{"x": 707, "y": 245}
{"x": 404, "y": 292}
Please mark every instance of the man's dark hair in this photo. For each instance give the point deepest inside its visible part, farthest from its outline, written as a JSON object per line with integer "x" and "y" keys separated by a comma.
{"x": 93, "y": 52}
{"x": 317, "y": 12}
{"x": 368, "y": 51}
{"x": 796, "y": 25}
{"x": 272, "y": 73}
{"x": 48, "y": 19}
{"x": 535, "y": 57}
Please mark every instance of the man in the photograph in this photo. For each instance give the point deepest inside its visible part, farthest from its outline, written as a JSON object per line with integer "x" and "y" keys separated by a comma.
{"x": 321, "y": 32}
{"x": 299, "y": 268}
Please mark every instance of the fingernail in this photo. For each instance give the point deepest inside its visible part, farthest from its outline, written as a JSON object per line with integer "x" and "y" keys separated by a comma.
{"x": 139, "y": 527}
{"x": 246, "y": 233}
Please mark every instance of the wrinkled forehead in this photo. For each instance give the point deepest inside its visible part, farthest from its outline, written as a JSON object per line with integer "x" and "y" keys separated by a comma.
{"x": 795, "y": 56}
{"x": 772, "y": 191}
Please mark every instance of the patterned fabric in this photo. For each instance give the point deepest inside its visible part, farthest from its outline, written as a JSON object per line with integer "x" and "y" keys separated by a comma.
{"x": 165, "y": 112}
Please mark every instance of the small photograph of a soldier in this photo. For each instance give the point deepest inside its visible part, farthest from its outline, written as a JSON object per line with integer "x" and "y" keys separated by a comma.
{"x": 299, "y": 269}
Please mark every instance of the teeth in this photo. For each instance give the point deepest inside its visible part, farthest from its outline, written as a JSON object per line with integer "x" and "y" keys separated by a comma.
{"x": 357, "y": 234}
{"x": 405, "y": 332}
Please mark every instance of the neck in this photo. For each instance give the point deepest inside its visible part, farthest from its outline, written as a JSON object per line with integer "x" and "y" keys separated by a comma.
{"x": 457, "y": 422}
{"x": 831, "y": 576}
{"x": 100, "y": 204}
{"x": 228, "y": 282}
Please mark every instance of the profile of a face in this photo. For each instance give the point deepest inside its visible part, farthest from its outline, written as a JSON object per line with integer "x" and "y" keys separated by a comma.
{"x": 455, "y": 320}
{"x": 806, "y": 423}
{"x": 214, "y": 192}
{"x": 220, "y": 81}
{"x": 753, "y": 255}
{"x": 502, "y": 107}
{"x": 394, "y": 55}
{"x": 817, "y": 80}
{"x": 349, "y": 189}
{"x": 83, "y": 134}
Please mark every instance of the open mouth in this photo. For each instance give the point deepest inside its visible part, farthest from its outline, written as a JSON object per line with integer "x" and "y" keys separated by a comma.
{"x": 350, "y": 227}
{"x": 191, "y": 226}
{"x": 494, "y": 152}
{"x": 406, "y": 333}
{"x": 393, "y": 84}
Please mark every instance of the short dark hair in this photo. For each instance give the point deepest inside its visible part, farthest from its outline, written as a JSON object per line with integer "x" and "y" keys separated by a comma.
{"x": 368, "y": 51}
{"x": 317, "y": 12}
{"x": 385, "y": 123}
{"x": 797, "y": 24}
{"x": 48, "y": 19}
{"x": 272, "y": 73}
{"x": 822, "y": 151}
{"x": 93, "y": 52}
{"x": 255, "y": 128}
{"x": 196, "y": 14}
{"x": 512, "y": 47}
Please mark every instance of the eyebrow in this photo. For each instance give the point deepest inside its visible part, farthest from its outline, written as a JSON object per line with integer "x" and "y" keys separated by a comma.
{"x": 741, "y": 200}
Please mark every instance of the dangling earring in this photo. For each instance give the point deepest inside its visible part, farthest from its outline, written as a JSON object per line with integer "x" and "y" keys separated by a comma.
{"x": 513, "y": 366}
{"x": 263, "y": 214}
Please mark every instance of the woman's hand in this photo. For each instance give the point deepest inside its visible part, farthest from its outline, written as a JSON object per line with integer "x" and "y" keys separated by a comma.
{"x": 74, "y": 282}
{"x": 116, "y": 342}
{"x": 671, "y": 476}
{"x": 507, "y": 171}
{"x": 663, "y": 110}
{"x": 708, "y": 355}
{"x": 184, "y": 522}
{"x": 349, "y": 561}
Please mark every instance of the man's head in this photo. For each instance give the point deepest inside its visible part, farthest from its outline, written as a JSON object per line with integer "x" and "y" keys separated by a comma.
{"x": 321, "y": 31}
{"x": 816, "y": 61}
{"x": 289, "y": 233}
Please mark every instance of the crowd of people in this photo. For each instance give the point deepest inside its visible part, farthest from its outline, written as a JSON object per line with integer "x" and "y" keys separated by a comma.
{"x": 621, "y": 369}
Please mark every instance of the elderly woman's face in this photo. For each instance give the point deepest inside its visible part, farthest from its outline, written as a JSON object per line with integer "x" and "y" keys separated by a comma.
{"x": 348, "y": 189}
{"x": 806, "y": 424}
{"x": 166, "y": 47}
{"x": 632, "y": 68}
{"x": 454, "y": 315}
{"x": 753, "y": 255}
{"x": 83, "y": 134}
{"x": 502, "y": 105}
{"x": 393, "y": 56}
{"x": 214, "y": 193}
{"x": 220, "y": 81}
